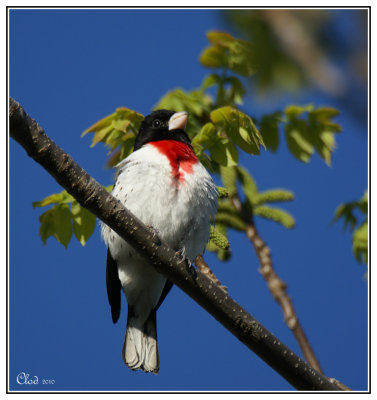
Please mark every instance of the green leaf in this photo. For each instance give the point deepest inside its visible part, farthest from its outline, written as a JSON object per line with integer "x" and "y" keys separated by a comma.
{"x": 269, "y": 129}
{"x": 316, "y": 132}
{"x": 213, "y": 57}
{"x": 237, "y": 89}
{"x": 363, "y": 203}
{"x": 229, "y": 52}
{"x": 275, "y": 214}
{"x": 360, "y": 243}
{"x": 84, "y": 222}
{"x": 101, "y": 135}
{"x": 297, "y": 143}
{"x": 347, "y": 212}
{"x": 131, "y": 115}
{"x": 322, "y": 131}
{"x": 194, "y": 102}
{"x": 294, "y": 111}
{"x": 126, "y": 147}
{"x": 56, "y": 222}
{"x": 239, "y": 128}
{"x": 206, "y": 136}
{"x": 114, "y": 126}
{"x": 122, "y": 115}
{"x": 121, "y": 125}
{"x": 323, "y": 114}
{"x": 220, "y": 38}
{"x": 211, "y": 80}
{"x": 117, "y": 130}
{"x": 114, "y": 139}
{"x": 99, "y": 125}
{"x": 224, "y": 153}
{"x": 327, "y": 146}
{"x": 62, "y": 224}
{"x": 216, "y": 55}
{"x": 56, "y": 198}
{"x": 273, "y": 196}
{"x": 242, "y": 59}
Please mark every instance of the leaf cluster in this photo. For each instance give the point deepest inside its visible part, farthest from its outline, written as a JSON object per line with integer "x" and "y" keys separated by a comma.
{"x": 117, "y": 131}
{"x": 348, "y": 212}
{"x": 65, "y": 217}
{"x": 239, "y": 183}
{"x": 219, "y": 130}
{"x": 217, "y": 127}
{"x": 229, "y": 53}
{"x": 228, "y": 130}
{"x": 307, "y": 129}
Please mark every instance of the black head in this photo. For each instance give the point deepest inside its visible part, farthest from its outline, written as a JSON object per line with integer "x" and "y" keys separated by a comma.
{"x": 162, "y": 125}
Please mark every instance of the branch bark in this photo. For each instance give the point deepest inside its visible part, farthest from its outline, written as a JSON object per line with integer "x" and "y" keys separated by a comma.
{"x": 212, "y": 298}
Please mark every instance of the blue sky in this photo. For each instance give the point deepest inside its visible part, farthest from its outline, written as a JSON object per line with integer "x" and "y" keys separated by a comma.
{"x": 69, "y": 68}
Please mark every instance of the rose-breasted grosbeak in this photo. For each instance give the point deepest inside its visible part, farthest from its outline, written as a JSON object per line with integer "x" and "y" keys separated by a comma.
{"x": 165, "y": 186}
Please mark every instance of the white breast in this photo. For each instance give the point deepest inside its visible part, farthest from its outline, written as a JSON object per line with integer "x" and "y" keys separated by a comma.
{"x": 180, "y": 211}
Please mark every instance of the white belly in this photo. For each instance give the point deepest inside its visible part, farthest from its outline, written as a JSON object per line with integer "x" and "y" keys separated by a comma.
{"x": 180, "y": 211}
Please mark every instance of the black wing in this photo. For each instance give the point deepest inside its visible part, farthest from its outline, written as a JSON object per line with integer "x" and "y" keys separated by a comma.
{"x": 164, "y": 293}
{"x": 113, "y": 286}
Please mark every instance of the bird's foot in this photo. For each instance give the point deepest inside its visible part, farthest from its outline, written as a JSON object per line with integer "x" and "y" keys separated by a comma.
{"x": 180, "y": 254}
{"x": 155, "y": 233}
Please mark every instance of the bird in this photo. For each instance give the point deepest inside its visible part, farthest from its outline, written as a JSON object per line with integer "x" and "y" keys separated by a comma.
{"x": 163, "y": 183}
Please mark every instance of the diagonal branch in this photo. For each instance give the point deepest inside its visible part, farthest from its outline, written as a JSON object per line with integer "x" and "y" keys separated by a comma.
{"x": 212, "y": 298}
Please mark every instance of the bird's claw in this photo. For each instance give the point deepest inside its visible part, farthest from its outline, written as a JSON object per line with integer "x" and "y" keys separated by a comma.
{"x": 155, "y": 233}
{"x": 180, "y": 254}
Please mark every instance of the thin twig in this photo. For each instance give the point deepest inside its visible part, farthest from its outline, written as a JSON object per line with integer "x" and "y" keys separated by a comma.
{"x": 206, "y": 270}
{"x": 277, "y": 287}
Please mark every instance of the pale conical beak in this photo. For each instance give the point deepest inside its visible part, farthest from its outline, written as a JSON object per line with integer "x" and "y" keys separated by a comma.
{"x": 178, "y": 120}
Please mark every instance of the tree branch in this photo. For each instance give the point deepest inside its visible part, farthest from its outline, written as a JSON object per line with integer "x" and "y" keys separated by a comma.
{"x": 298, "y": 44}
{"x": 212, "y": 298}
{"x": 277, "y": 287}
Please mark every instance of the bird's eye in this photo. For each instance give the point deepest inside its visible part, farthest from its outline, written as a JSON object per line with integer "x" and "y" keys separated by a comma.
{"x": 156, "y": 123}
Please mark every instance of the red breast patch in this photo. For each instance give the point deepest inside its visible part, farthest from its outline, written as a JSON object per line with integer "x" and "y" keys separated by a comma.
{"x": 180, "y": 156}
